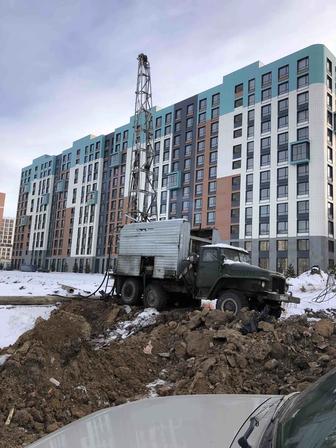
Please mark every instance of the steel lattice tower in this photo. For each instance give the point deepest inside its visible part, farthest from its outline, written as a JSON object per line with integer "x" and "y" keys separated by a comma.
{"x": 142, "y": 194}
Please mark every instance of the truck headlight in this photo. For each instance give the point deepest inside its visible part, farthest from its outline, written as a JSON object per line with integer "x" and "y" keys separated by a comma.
{"x": 263, "y": 284}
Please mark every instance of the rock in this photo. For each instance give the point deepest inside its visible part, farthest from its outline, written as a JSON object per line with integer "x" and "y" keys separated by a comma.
{"x": 112, "y": 315}
{"x": 265, "y": 326}
{"x": 164, "y": 355}
{"x": 216, "y": 318}
{"x": 180, "y": 349}
{"x": 207, "y": 364}
{"x": 278, "y": 351}
{"x": 271, "y": 364}
{"x": 52, "y": 427}
{"x": 229, "y": 335}
{"x": 324, "y": 359}
{"x": 199, "y": 384}
{"x": 195, "y": 322}
{"x": 301, "y": 363}
{"x": 231, "y": 360}
{"x": 197, "y": 343}
{"x": 324, "y": 327}
{"x": 23, "y": 418}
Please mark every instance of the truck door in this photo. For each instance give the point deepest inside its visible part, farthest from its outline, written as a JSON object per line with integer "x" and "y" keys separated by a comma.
{"x": 208, "y": 267}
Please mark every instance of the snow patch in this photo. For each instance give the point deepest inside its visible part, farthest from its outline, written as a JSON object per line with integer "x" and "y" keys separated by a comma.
{"x": 128, "y": 327}
{"x": 153, "y": 385}
{"x": 17, "y": 283}
{"x": 16, "y": 320}
{"x": 311, "y": 289}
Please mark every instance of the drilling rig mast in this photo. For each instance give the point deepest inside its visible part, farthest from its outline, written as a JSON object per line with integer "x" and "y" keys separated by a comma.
{"x": 142, "y": 200}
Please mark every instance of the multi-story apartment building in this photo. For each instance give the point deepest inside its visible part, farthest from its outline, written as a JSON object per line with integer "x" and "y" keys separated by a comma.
{"x": 6, "y": 235}
{"x": 252, "y": 157}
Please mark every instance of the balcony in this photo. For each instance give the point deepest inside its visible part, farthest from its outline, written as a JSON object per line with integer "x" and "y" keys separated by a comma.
{"x": 60, "y": 185}
{"x": 174, "y": 180}
{"x": 300, "y": 152}
{"x": 115, "y": 159}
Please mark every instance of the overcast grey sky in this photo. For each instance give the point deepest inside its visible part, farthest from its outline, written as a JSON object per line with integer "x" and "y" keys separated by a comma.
{"x": 68, "y": 67}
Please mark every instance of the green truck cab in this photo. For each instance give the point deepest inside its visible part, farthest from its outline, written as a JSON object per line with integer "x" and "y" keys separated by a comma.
{"x": 157, "y": 262}
{"x": 224, "y": 273}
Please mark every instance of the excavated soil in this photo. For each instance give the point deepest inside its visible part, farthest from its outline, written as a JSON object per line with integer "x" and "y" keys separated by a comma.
{"x": 69, "y": 366}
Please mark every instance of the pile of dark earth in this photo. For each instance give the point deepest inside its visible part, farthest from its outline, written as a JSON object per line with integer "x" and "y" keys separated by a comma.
{"x": 58, "y": 372}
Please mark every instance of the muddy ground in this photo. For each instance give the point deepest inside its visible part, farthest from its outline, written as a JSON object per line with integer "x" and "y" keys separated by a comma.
{"x": 70, "y": 365}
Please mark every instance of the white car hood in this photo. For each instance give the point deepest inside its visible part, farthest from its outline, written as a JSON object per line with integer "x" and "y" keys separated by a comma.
{"x": 194, "y": 421}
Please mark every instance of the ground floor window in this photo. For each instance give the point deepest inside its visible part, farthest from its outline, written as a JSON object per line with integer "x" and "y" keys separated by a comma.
{"x": 282, "y": 264}
{"x": 264, "y": 262}
{"x": 302, "y": 265}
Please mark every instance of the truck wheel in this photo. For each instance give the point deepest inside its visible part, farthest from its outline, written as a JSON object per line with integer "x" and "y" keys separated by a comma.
{"x": 276, "y": 312}
{"x": 130, "y": 291}
{"x": 231, "y": 301}
{"x": 155, "y": 297}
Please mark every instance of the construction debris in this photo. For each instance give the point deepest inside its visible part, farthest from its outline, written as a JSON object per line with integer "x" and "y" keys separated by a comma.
{"x": 175, "y": 352}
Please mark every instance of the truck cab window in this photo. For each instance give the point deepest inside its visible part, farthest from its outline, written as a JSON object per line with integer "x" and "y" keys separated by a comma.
{"x": 209, "y": 255}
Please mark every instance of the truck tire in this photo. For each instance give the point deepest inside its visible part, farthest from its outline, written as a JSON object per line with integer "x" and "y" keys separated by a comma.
{"x": 155, "y": 297}
{"x": 231, "y": 301}
{"x": 130, "y": 291}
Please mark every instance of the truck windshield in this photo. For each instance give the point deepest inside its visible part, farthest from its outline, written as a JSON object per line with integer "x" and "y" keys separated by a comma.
{"x": 310, "y": 422}
{"x": 236, "y": 255}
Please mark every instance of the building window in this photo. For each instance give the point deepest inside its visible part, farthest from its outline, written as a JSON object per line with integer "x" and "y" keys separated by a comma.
{"x": 197, "y": 218}
{"x": 300, "y": 152}
{"x": 202, "y": 104}
{"x": 178, "y": 114}
{"x": 302, "y": 116}
{"x": 283, "y": 72}
{"x": 177, "y": 126}
{"x": 202, "y": 117}
{"x": 264, "y": 246}
{"x": 264, "y": 228}
{"x": 236, "y": 164}
{"x": 329, "y": 66}
{"x": 265, "y": 176}
{"x": 236, "y": 151}
{"x": 249, "y": 196}
{"x": 264, "y": 194}
{"x": 212, "y": 202}
{"x": 215, "y": 99}
{"x": 238, "y": 102}
{"x": 264, "y": 211}
{"x": 302, "y": 81}
{"x": 251, "y": 100}
{"x": 302, "y": 226}
{"x": 282, "y": 227}
{"x": 282, "y": 209}
{"x": 302, "y": 207}
{"x": 248, "y": 212}
{"x": 237, "y": 120}
{"x": 212, "y": 172}
{"x": 303, "y": 265}
{"x": 266, "y": 94}
{"x": 187, "y": 164}
{"x": 303, "y": 64}
{"x": 237, "y": 133}
{"x": 198, "y": 189}
{"x": 283, "y": 105}
{"x": 302, "y": 169}
{"x": 264, "y": 262}
{"x": 282, "y": 245}
{"x": 198, "y": 204}
{"x": 251, "y": 85}
{"x": 248, "y": 229}
{"x": 266, "y": 111}
{"x": 215, "y": 113}
{"x": 201, "y": 132}
{"x": 212, "y": 187}
{"x": 283, "y": 88}
{"x": 213, "y": 157}
{"x": 283, "y": 139}
{"x": 303, "y": 98}
{"x": 282, "y": 264}
{"x": 265, "y": 160}
{"x": 239, "y": 89}
{"x": 265, "y": 126}
{"x": 249, "y": 179}
{"x": 283, "y": 122}
{"x": 200, "y": 160}
{"x": 266, "y": 79}
{"x": 211, "y": 217}
{"x": 199, "y": 175}
{"x": 303, "y": 133}
{"x": 214, "y": 128}
{"x": 190, "y": 109}
{"x": 282, "y": 191}
{"x": 302, "y": 188}
{"x": 283, "y": 173}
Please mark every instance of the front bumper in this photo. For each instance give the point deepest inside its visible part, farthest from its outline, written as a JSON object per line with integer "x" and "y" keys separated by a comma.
{"x": 288, "y": 297}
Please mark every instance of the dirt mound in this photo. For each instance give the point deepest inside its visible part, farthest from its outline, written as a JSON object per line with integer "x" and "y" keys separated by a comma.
{"x": 58, "y": 372}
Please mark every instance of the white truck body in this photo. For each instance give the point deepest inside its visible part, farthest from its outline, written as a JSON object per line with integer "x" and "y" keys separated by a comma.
{"x": 166, "y": 241}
